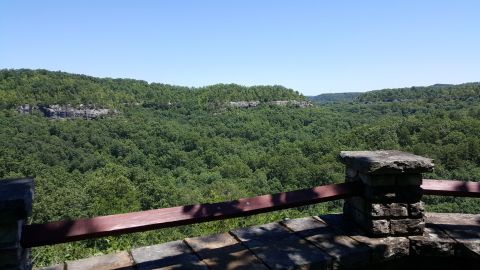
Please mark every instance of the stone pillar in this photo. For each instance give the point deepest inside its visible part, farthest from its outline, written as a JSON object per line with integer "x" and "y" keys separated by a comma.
{"x": 15, "y": 206}
{"x": 390, "y": 204}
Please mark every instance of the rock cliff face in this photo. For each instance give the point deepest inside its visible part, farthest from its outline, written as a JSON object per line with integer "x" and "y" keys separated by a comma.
{"x": 244, "y": 104}
{"x": 281, "y": 103}
{"x": 66, "y": 111}
{"x": 56, "y": 111}
{"x": 293, "y": 103}
{"x": 25, "y": 108}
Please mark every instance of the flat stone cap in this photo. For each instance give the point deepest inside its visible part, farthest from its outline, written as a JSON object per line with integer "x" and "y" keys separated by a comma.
{"x": 386, "y": 162}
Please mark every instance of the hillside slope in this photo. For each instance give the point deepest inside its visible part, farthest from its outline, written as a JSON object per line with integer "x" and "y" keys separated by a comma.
{"x": 433, "y": 93}
{"x": 25, "y": 86}
{"x": 151, "y": 155}
{"x": 334, "y": 97}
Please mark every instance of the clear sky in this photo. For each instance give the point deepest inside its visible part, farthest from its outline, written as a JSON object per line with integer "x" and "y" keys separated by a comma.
{"x": 310, "y": 46}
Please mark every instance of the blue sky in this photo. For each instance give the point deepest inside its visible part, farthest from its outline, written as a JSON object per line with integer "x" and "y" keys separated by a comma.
{"x": 311, "y": 46}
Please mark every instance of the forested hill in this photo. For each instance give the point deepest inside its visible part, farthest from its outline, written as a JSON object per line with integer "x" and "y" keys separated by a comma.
{"x": 335, "y": 97}
{"x": 433, "y": 93}
{"x": 26, "y": 86}
{"x": 171, "y": 145}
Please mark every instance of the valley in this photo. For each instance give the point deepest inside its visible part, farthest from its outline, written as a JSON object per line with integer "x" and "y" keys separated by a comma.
{"x": 156, "y": 145}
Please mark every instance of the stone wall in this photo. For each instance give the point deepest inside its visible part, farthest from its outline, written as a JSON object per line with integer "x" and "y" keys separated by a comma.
{"x": 390, "y": 204}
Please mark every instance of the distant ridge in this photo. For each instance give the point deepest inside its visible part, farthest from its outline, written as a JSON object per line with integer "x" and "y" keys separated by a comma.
{"x": 42, "y": 87}
{"x": 334, "y": 97}
{"x": 440, "y": 92}
{"x": 465, "y": 91}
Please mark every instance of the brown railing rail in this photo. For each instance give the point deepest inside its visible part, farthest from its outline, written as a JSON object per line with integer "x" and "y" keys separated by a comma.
{"x": 451, "y": 188}
{"x": 81, "y": 229}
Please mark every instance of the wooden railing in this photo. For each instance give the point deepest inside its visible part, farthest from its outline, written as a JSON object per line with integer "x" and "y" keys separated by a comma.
{"x": 81, "y": 229}
{"x": 451, "y": 188}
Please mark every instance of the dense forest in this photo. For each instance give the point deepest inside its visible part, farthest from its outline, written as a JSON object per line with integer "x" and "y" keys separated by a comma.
{"x": 335, "y": 97}
{"x": 46, "y": 87}
{"x": 171, "y": 145}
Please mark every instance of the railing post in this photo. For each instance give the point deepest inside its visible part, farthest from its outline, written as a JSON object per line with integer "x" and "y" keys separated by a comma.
{"x": 390, "y": 204}
{"x": 15, "y": 206}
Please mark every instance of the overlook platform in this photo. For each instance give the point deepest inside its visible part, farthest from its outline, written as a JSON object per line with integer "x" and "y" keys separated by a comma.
{"x": 324, "y": 242}
{"x": 383, "y": 226}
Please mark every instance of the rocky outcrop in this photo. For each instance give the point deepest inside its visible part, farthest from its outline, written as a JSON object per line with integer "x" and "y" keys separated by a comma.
{"x": 280, "y": 103}
{"x": 67, "y": 111}
{"x": 26, "y": 108}
{"x": 244, "y": 104}
{"x": 293, "y": 103}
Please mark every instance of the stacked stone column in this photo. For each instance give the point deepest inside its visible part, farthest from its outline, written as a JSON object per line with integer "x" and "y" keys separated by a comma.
{"x": 390, "y": 203}
{"x": 15, "y": 207}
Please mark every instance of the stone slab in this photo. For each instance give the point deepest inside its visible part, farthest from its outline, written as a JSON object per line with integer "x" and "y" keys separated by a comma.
{"x": 347, "y": 252}
{"x": 386, "y": 162}
{"x": 379, "y": 227}
{"x": 453, "y": 218}
{"x": 119, "y": 260}
{"x": 416, "y": 210}
{"x": 224, "y": 252}
{"x": 168, "y": 256}
{"x": 383, "y": 249}
{"x": 53, "y": 267}
{"x": 376, "y": 227}
{"x": 389, "y": 210}
{"x": 267, "y": 232}
{"x": 408, "y": 226}
{"x": 464, "y": 228}
{"x": 279, "y": 248}
{"x": 433, "y": 243}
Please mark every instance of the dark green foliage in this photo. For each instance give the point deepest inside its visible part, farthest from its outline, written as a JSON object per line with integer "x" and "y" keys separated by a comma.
{"x": 439, "y": 92}
{"x": 173, "y": 145}
{"x": 335, "y": 97}
{"x": 37, "y": 87}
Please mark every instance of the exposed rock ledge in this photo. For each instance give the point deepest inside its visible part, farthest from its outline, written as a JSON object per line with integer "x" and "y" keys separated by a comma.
{"x": 67, "y": 111}
{"x": 281, "y": 103}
